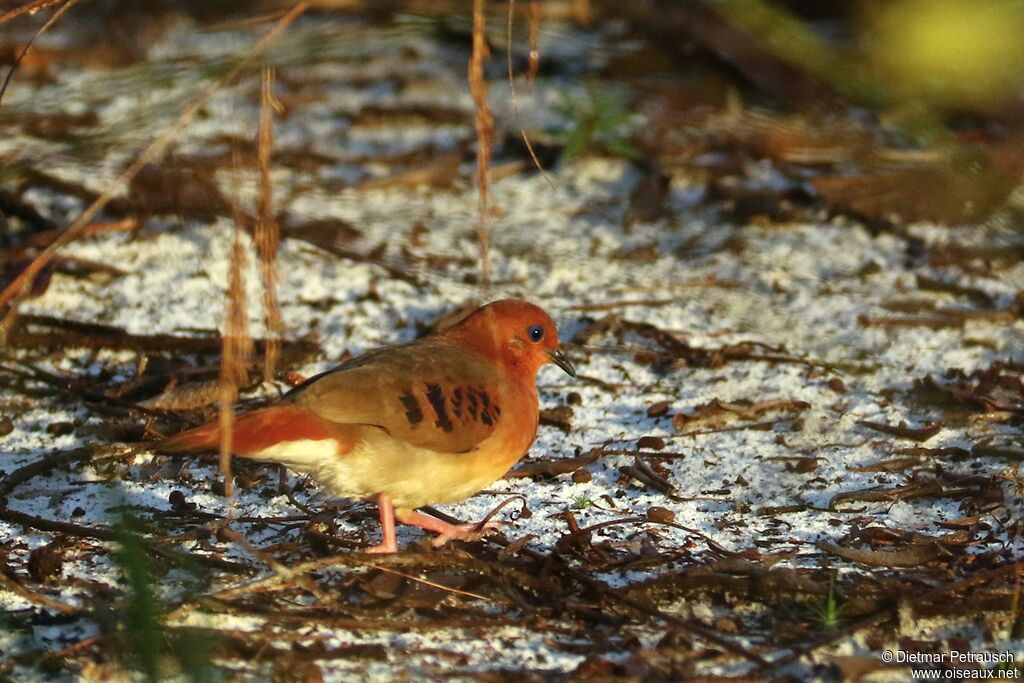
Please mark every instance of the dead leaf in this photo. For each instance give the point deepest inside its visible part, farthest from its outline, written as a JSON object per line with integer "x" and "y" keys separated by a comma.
{"x": 440, "y": 172}
{"x": 717, "y": 413}
{"x": 902, "y": 430}
{"x": 560, "y": 417}
{"x": 911, "y": 556}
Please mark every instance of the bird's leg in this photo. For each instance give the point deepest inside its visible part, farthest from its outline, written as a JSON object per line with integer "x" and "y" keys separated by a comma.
{"x": 445, "y": 531}
{"x": 387, "y": 526}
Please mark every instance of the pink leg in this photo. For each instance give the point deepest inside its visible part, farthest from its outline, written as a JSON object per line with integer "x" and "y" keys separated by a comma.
{"x": 387, "y": 526}
{"x": 445, "y": 531}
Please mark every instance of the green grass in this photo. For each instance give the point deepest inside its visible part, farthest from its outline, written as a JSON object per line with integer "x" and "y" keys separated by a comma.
{"x": 148, "y": 647}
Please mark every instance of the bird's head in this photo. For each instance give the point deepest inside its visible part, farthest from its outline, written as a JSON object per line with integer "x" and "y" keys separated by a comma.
{"x": 517, "y": 333}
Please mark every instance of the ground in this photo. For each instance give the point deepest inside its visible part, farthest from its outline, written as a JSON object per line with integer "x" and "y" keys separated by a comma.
{"x": 793, "y": 445}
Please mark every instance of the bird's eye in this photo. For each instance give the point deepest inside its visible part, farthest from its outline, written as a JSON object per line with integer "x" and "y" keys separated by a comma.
{"x": 535, "y": 333}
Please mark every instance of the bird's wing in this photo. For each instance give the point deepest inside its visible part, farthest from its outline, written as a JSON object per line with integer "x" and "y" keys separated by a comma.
{"x": 431, "y": 394}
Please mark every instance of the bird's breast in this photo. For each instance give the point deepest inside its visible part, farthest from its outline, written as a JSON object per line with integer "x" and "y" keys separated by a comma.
{"x": 414, "y": 476}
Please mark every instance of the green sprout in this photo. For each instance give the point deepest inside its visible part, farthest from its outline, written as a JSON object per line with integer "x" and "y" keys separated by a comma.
{"x": 599, "y": 121}
{"x": 582, "y": 502}
{"x": 830, "y": 611}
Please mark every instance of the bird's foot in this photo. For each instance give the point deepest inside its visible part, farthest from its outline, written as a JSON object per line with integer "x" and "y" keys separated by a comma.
{"x": 465, "y": 532}
{"x": 383, "y": 548}
{"x": 445, "y": 531}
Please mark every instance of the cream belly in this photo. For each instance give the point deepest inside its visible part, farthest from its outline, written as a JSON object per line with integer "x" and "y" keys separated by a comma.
{"x": 410, "y": 475}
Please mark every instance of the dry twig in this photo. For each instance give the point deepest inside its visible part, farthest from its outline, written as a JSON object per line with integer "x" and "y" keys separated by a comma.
{"x": 534, "y": 61}
{"x": 27, "y": 8}
{"x": 42, "y": 29}
{"x": 19, "y": 287}
{"x": 237, "y": 347}
{"x": 484, "y": 136}
{"x": 268, "y": 232}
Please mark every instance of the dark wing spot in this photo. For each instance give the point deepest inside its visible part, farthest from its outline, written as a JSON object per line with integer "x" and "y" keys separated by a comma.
{"x": 436, "y": 398}
{"x": 497, "y": 410}
{"x": 457, "y": 402}
{"x": 485, "y": 406}
{"x": 412, "y": 408}
{"x": 472, "y": 404}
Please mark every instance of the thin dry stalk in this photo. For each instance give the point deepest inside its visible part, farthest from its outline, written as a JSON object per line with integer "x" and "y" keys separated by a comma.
{"x": 266, "y": 558}
{"x": 484, "y": 136}
{"x": 42, "y": 29}
{"x": 534, "y": 64}
{"x": 512, "y": 80}
{"x": 27, "y": 8}
{"x": 20, "y": 286}
{"x": 268, "y": 232}
{"x": 440, "y": 586}
{"x": 236, "y": 349}
{"x": 41, "y": 239}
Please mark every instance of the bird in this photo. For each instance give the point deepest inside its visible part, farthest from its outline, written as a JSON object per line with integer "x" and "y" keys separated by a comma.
{"x": 427, "y": 422}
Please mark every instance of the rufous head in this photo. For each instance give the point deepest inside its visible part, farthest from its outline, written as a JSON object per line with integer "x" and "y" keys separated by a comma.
{"x": 517, "y": 333}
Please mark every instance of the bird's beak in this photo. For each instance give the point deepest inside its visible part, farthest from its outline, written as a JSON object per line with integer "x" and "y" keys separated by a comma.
{"x": 559, "y": 358}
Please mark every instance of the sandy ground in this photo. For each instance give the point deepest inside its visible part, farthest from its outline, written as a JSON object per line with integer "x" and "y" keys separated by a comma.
{"x": 798, "y": 297}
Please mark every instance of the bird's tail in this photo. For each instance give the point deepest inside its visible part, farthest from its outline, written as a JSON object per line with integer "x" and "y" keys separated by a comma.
{"x": 204, "y": 438}
{"x": 252, "y": 432}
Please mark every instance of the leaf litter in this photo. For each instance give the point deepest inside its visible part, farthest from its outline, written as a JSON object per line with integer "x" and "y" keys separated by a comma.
{"x": 751, "y": 439}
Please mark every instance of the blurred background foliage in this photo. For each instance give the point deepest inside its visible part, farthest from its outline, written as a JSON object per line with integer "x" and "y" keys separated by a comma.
{"x": 905, "y": 110}
{"x": 900, "y": 54}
